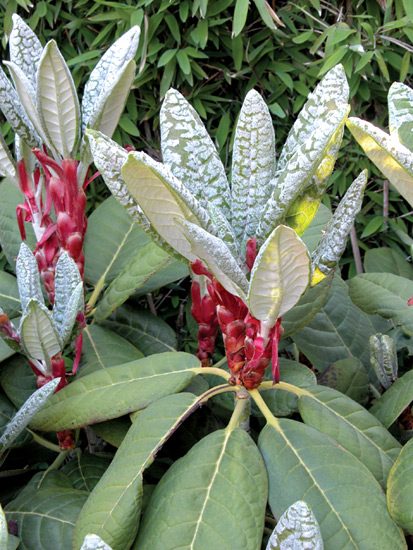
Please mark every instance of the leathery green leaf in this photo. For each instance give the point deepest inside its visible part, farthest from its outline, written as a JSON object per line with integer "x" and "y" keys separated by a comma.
{"x": 393, "y": 401}
{"x": 9, "y": 294}
{"x": 215, "y": 495}
{"x": 349, "y": 377}
{"x": 349, "y": 504}
{"x": 113, "y": 509}
{"x": 400, "y": 101}
{"x": 387, "y": 153}
{"x": 279, "y": 276}
{"x": 84, "y": 470}
{"x": 355, "y": 429}
{"x": 400, "y": 489}
{"x": 116, "y": 391}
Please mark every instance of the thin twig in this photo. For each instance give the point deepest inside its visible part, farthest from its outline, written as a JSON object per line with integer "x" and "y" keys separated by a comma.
{"x": 386, "y": 203}
{"x": 151, "y": 303}
{"x": 356, "y": 250}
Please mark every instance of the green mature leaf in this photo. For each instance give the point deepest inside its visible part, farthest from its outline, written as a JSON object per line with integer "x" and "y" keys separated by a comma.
{"x": 226, "y": 480}
{"x": 114, "y": 507}
{"x": 10, "y": 238}
{"x": 135, "y": 274}
{"x": 240, "y": 17}
{"x": 148, "y": 333}
{"x": 400, "y": 489}
{"x": 387, "y": 260}
{"x": 190, "y": 153}
{"x": 349, "y": 377}
{"x": 113, "y": 238}
{"x": 307, "y": 307}
{"x": 350, "y": 508}
{"x": 17, "y": 379}
{"x": 400, "y": 101}
{"x": 25, "y": 414}
{"x": 279, "y": 277}
{"x": 312, "y": 235}
{"x": 113, "y": 431}
{"x": 354, "y": 428}
{"x": 25, "y": 48}
{"x": 389, "y": 155}
{"x": 130, "y": 387}
{"x": 339, "y": 330}
{"x": 57, "y": 101}
{"x": 170, "y": 272}
{"x": 297, "y": 528}
{"x": 102, "y": 348}
{"x": 38, "y": 334}
{"x": 47, "y": 516}
{"x": 84, "y": 471}
{"x": 253, "y": 165}
{"x": 393, "y": 401}
{"x": 9, "y": 295}
{"x": 28, "y": 278}
{"x": 386, "y": 294}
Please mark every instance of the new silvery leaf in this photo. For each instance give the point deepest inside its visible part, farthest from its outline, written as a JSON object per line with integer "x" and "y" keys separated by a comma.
{"x": 4, "y": 533}
{"x": 75, "y": 305}
{"x": 7, "y": 163}
{"x": 387, "y": 153}
{"x": 383, "y": 357}
{"x": 400, "y": 100}
{"x": 25, "y": 48}
{"x": 297, "y": 529}
{"x": 333, "y": 242}
{"x": 279, "y": 277}
{"x": 24, "y": 415}
{"x": 57, "y": 101}
{"x": 226, "y": 233}
{"x": 109, "y": 158}
{"x": 28, "y": 278}
{"x": 253, "y": 165}
{"x": 93, "y": 542}
{"x": 67, "y": 279}
{"x": 190, "y": 153}
{"x": 105, "y": 72}
{"x": 164, "y": 199}
{"x": 299, "y": 171}
{"x": 217, "y": 257}
{"x": 38, "y": 334}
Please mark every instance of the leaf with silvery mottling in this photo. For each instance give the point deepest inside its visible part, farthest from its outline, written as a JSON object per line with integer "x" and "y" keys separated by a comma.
{"x": 388, "y": 154}
{"x": 299, "y": 170}
{"x": 67, "y": 280}
{"x": 164, "y": 199}
{"x": 39, "y": 337}
{"x": 25, "y": 414}
{"x": 57, "y": 101}
{"x": 75, "y": 305}
{"x": 226, "y": 233}
{"x": 106, "y": 70}
{"x": 297, "y": 528}
{"x": 190, "y": 153}
{"x": 13, "y": 110}
{"x": 253, "y": 165}
{"x": 330, "y": 94}
{"x": 384, "y": 358}
{"x": 279, "y": 276}
{"x": 93, "y": 542}
{"x": 109, "y": 158}
{"x": 7, "y": 162}
{"x": 400, "y": 100}
{"x": 305, "y": 206}
{"x": 28, "y": 278}
{"x": 334, "y": 240}
{"x": 25, "y": 48}
{"x": 216, "y": 255}
{"x": 7, "y": 412}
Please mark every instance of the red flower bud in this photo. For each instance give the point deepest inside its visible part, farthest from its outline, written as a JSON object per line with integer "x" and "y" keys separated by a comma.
{"x": 65, "y": 226}
{"x": 74, "y": 245}
{"x": 251, "y": 252}
{"x": 199, "y": 269}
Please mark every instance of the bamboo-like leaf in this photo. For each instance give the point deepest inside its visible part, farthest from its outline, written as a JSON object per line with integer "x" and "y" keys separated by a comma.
{"x": 24, "y": 415}
{"x": 7, "y": 162}
{"x": 38, "y": 334}
{"x": 297, "y": 528}
{"x": 25, "y": 48}
{"x": 113, "y": 509}
{"x": 93, "y": 542}
{"x": 279, "y": 276}
{"x": 300, "y": 169}
{"x": 354, "y": 428}
{"x": 67, "y": 283}
{"x": 131, "y": 386}
{"x": 109, "y": 158}
{"x": 387, "y": 153}
{"x": 164, "y": 200}
{"x": 225, "y": 477}
{"x": 334, "y": 240}
{"x": 28, "y": 278}
{"x": 400, "y": 489}
{"x": 400, "y": 101}
{"x": 253, "y": 165}
{"x": 393, "y": 401}
{"x": 106, "y": 71}
{"x": 349, "y": 504}
{"x": 190, "y": 154}
{"x": 57, "y": 101}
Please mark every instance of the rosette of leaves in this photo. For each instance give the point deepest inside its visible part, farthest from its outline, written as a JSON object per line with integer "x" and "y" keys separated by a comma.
{"x": 188, "y": 205}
